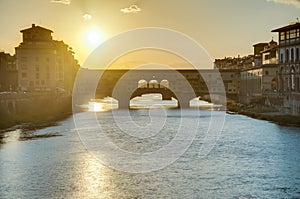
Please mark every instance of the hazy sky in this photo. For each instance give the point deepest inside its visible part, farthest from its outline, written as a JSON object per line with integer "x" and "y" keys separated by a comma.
{"x": 222, "y": 27}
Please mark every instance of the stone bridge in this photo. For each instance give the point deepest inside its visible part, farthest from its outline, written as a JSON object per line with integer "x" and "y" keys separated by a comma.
{"x": 124, "y": 85}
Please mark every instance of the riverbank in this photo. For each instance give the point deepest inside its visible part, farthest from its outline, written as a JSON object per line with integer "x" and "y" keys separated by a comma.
{"x": 28, "y": 124}
{"x": 265, "y": 113}
{"x": 39, "y": 113}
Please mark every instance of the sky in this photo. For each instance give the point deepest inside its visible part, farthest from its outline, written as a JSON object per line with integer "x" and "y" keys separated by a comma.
{"x": 222, "y": 27}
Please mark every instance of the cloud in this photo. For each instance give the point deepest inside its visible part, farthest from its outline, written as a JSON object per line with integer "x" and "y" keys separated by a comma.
{"x": 131, "y": 9}
{"x": 87, "y": 17}
{"x": 67, "y": 2}
{"x": 289, "y": 2}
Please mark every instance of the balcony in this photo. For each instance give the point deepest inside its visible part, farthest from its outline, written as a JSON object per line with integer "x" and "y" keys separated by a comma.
{"x": 289, "y": 42}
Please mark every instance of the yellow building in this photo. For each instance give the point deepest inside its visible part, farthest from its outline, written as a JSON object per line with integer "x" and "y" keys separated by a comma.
{"x": 44, "y": 64}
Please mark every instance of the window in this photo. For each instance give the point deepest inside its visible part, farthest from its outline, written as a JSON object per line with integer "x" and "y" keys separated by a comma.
{"x": 267, "y": 72}
{"x": 267, "y": 57}
{"x": 282, "y": 35}
{"x": 287, "y": 56}
{"x": 297, "y": 54}
{"x": 24, "y": 75}
{"x": 292, "y": 54}
{"x": 273, "y": 54}
{"x": 42, "y": 82}
{"x": 37, "y": 75}
{"x": 37, "y": 68}
{"x": 292, "y": 34}
{"x": 293, "y": 78}
{"x": 281, "y": 58}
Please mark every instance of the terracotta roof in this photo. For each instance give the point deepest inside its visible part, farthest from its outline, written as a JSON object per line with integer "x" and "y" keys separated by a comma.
{"x": 288, "y": 27}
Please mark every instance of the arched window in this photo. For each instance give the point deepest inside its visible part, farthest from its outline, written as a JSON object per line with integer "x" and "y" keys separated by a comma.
{"x": 164, "y": 83}
{"x": 292, "y": 54}
{"x": 153, "y": 84}
{"x": 287, "y": 56}
{"x": 292, "y": 78}
{"x": 142, "y": 84}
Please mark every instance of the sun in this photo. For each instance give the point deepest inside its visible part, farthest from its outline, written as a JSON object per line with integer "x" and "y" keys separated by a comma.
{"x": 93, "y": 37}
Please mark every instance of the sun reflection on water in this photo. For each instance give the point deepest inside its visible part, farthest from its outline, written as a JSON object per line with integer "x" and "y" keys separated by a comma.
{"x": 95, "y": 106}
{"x": 11, "y": 136}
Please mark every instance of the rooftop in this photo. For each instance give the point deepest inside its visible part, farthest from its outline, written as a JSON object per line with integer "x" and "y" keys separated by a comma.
{"x": 288, "y": 27}
{"x": 34, "y": 27}
{"x": 260, "y": 44}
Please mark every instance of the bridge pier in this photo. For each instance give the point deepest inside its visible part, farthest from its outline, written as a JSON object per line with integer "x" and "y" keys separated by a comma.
{"x": 184, "y": 103}
{"x": 184, "y": 100}
{"x": 123, "y": 104}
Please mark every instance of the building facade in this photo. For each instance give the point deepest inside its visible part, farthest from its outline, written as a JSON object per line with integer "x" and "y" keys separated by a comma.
{"x": 44, "y": 64}
{"x": 269, "y": 68}
{"x": 289, "y": 67}
{"x": 8, "y": 73}
{"x": 257, "y": 73}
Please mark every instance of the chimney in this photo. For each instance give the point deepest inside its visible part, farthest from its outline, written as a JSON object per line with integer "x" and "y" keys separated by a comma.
{"x": 33, "y": 25}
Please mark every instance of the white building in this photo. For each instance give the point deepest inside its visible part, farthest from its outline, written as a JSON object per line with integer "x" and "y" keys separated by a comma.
{"x": 289, "y": 67}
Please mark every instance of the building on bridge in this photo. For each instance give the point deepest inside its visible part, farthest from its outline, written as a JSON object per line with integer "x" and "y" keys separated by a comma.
{"x": 44, "y": 64}
{"x": 8, "y": 73}
{"x": 289, "y": 67}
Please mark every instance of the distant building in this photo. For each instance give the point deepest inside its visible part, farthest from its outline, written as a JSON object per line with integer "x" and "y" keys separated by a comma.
{"x": 234, "y": 63}
{"x": 289, "y": 67}
{"x": 269, "y": 68}
{"x": 8, "y": 73}
{"x": 258, "y": 48}
{"x": 260, "y": 81}
{"x": 251, "y": 82}
{"x": 44, "y": 64}
{"x": 231, "y": 80}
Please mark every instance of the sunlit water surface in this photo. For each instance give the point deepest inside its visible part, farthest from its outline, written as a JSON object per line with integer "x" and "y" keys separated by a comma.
{"x": 252, "y": 159}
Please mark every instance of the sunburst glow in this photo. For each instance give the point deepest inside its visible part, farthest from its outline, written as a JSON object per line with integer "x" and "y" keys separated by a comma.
{"x": 94, "y": 37}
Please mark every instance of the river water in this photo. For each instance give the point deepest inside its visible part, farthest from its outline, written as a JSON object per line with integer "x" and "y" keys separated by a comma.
{"x": 251, "y": 159}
